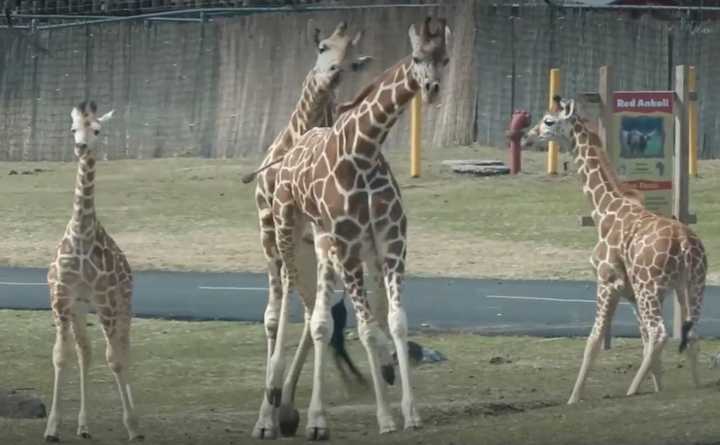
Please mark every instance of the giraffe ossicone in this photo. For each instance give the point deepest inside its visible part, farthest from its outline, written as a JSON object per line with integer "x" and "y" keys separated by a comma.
{"x": 639, "y": 255}
{"x": 336, "y": 181}
{"x": 89, "y": 270}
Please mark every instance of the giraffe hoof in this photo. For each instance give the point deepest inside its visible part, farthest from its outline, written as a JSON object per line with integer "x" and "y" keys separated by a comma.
{"x": 289, "y": 419}
{"x": 263, "y": 433}
{"x": 138, "y": 438}
{"x": 273, "y": 396}
{"x": 316, "y": 434}
{"x": 52, "y": 439}
{"x": 85, "y": 435}
{"x": 388, "y": 373}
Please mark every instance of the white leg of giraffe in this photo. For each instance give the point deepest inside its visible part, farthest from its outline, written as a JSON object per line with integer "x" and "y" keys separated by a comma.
{"x": 608, "y": 295}
{"x": 657, "y": 336}
{"x": 117, "y": 355}
{"x": 61, "y": 355}
{"x": 321, "y": 328}
{"x": 397, "y": 320}
{"x": 84, "y": 352}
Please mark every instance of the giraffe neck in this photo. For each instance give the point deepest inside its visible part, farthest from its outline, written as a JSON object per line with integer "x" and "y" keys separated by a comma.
{"x": 382, "y": 102}
{"x": 83, "y": 221}
{"x": 600, "y": 183}
{"x": 314, "y": 108}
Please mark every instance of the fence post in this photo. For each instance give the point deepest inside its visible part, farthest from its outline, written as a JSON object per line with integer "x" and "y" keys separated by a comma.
{"x": 693, "y": 113}
{"x": 553, "y": 149}
{"x": 680, "y": 176}
{"x": 415, "y": 133}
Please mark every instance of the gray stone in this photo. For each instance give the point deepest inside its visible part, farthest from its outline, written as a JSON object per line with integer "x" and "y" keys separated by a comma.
{"x": 20, "y": 405}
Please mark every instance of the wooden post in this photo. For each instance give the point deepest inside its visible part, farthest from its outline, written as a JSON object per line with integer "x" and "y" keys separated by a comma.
{"x": 415, "y": 135}
{"x": 680, "y": 174}
{"x": 693, "y": 122}
{"x": 553, "y": 149}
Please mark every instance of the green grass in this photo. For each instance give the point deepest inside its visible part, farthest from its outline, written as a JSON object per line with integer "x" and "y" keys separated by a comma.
{"x": 201, "y": 383}
{"x": 192, "y": 214}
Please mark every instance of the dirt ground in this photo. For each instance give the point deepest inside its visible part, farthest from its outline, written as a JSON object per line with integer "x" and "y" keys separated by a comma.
{"x": 201, "y": 383}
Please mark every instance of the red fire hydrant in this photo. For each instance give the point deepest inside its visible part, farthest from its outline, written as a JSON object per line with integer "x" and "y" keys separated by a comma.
{"x": 519, "y": 121}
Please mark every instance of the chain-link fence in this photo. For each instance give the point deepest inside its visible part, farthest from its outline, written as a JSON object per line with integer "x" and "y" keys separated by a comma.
{"x": 222, "y": 86}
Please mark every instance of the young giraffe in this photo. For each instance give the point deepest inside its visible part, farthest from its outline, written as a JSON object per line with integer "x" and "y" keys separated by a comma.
{"x": 89, "y": 269}
{"x": 335, "y": 56}
{"x": 338, "y": 180}
{"x": 639, "y": 255}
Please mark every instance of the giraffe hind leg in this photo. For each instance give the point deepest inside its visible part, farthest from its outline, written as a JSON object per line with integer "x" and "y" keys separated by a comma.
{"x": 657, "y": 336}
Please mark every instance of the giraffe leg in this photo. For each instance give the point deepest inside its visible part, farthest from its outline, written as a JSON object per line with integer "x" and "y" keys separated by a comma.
{"x": 607, "y": 300}
{"x": 264, "y": 427}
{"x": 61, "y": 353}
{"x": 288, "y": 416}
{"x": 321, "y": 328}
{"x": 84, "y": 352}
{"x": 117, "y": 355}
{"x": 657, "y": 337}
{"x": 656, "y": 368}
{"x": 691, "y": 301}
{"x": 379, "y": 304}
{"x": 372, "y": 337}
{"x": 397, "y": 319}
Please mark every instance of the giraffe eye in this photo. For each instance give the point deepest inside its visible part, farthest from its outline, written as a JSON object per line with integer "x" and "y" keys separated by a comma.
{"x": 549, "y": 123}
{"x": 322, "y": 48}
{"x": 97, "y": 132}
{"x": 416, "y": 60}
{"x": 73, "y": 131}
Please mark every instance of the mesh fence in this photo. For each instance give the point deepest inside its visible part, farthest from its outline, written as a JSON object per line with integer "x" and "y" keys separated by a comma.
{"x": 224, "y": 87}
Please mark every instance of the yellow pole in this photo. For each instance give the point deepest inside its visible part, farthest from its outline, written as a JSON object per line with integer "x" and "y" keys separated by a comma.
{"x": 553, "y": 149}
{"x": 415, "y": 142}
{"x": 693, "y": 124}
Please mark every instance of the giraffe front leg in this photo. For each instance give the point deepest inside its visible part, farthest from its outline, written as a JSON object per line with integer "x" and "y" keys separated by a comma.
{"x": 321, "y": 328}
{"x": 84, "y": 352}
{"x": 397, "y": 320}
{"x": 117, "y": 354}
{"x": 607, "y": 300}
{"x": 372, "y": 337}
{"x": 61, "y": 354}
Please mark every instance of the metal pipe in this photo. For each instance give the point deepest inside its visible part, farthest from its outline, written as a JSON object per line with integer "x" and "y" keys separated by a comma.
{"x": 636, "y": 7}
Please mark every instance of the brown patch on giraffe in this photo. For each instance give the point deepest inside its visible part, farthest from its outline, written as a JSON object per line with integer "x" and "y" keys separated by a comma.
{"x": 358, "y": 207}
{"x": 347, "y": 229}
{"x": 66, "y": 247}
{"x": 345, "y": 174}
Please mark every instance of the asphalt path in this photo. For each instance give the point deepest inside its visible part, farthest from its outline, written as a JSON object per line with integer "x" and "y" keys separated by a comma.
{"x": 534, "y": 307}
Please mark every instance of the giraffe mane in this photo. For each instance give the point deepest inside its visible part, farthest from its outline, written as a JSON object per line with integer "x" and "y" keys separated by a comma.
{"x": 627, "y": 191}
{"x": 366, "y": 91}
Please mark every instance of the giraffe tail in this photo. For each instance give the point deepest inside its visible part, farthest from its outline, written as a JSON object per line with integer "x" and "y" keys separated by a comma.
{"x": 685, "y": 330}
{"x": 337, "y": 341}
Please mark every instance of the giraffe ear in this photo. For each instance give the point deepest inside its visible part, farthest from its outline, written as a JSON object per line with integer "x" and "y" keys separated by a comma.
{"x": 568, "y": 108}
{"x": 415, "y": 40}
{"x": 107, "y": 116}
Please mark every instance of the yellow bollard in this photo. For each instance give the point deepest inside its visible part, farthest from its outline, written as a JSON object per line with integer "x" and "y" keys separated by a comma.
{"x": 693, "y": 124}
{"x": 415, "y": 133}
{"x": 553, "y": 149}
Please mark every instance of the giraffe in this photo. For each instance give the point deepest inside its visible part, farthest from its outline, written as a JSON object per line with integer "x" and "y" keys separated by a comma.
{"x": 89, "y": 270}
{"x": 315, "y": 107}
{"x": 639, "y": 255}
{"x": 337, "y": 180}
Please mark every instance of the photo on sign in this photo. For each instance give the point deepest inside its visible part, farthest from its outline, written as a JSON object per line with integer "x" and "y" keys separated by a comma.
{"x": 641, "y": 137}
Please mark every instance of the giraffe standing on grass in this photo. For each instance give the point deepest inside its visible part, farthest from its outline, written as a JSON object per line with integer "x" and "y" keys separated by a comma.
{"x": 335, "y": 58}
{"x": 337, "y": 180}
{"x": 639, "y": 255}
{"x": 89, "y": 269}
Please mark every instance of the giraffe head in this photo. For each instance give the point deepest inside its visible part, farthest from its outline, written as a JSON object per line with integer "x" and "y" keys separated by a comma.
{"x": 556, "y": 125}
{"x": 429, "y": 56}
{"x": 336, "y": 55}
{"x": 86, "y": 126}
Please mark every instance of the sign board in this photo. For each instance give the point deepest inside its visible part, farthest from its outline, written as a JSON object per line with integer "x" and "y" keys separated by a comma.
{"x": 641, "y": 144}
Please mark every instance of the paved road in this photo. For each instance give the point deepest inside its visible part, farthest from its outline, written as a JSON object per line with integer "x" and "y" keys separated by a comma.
{"x": 490, "y": 306}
